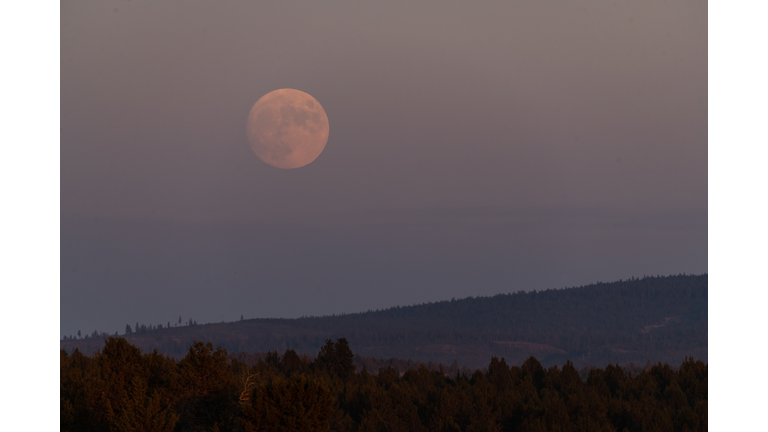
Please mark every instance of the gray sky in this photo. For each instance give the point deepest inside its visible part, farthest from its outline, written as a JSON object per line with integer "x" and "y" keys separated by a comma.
{"x": 475, "y": 148}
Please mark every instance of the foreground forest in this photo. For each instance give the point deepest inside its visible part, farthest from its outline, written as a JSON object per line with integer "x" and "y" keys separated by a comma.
{"x": 637, "y": 320}
{"x": 121, "y": 389}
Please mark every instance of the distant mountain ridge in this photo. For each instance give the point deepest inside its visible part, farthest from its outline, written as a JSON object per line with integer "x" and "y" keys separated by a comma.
{"x": 636, "y": 320}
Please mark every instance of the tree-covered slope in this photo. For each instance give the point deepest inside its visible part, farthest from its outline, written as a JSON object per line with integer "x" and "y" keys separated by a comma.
{"x": 653, "y": 318}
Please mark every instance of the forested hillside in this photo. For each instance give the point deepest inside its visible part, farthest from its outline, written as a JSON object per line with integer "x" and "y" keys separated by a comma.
{"x": 122, "y": 389}
{"x": 653, "y": 318}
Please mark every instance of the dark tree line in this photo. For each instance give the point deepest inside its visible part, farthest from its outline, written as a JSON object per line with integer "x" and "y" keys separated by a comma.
{"x": 120, "y": 388}
{"x": 656, "y": 318}
{"x": 142, "y": 329}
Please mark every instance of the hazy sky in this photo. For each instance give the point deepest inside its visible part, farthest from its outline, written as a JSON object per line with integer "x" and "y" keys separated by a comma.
{"x": 475, "y": 148}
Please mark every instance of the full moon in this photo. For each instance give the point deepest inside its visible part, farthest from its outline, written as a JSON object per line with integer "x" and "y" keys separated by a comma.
{"x": 287, "y": 128}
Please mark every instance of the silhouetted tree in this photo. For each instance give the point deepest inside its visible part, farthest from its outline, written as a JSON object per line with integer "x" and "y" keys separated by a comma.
{"x": 336, "y": 358}
{"x": 291, "y": 363}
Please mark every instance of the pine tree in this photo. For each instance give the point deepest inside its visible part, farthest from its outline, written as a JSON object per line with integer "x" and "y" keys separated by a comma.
{"x": 344, "y": 366}
{"x": 301, "y": 403}
{"x": 144, "y": 411}
{"x": 336, "y": 358}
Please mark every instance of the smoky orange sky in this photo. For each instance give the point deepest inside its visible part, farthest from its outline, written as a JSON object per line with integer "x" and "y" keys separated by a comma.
{"x": 474, "y": 148}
